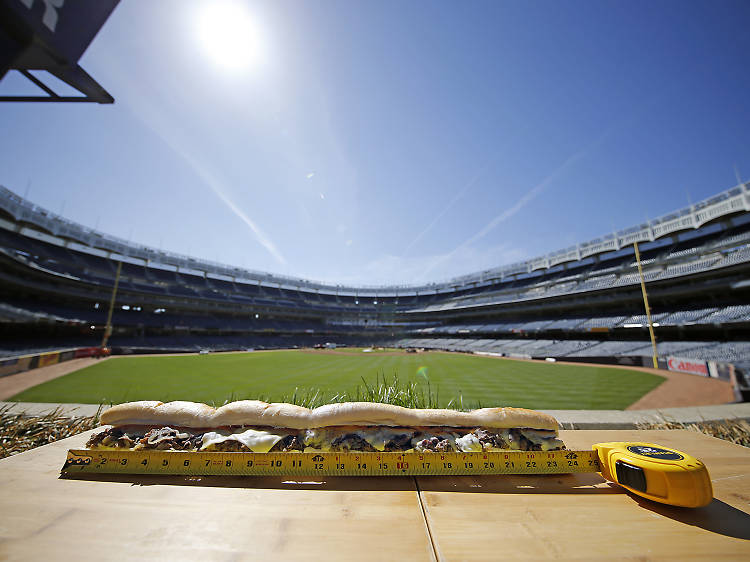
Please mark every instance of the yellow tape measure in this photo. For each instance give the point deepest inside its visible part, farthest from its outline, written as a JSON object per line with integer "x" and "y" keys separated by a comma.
{"x": 329, "y": 464}
{"x": 649, "y": 470}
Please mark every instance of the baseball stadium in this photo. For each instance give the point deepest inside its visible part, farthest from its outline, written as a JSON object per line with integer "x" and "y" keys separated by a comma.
{"x": 567, "y": 330}
{"x": 336, "y": 280}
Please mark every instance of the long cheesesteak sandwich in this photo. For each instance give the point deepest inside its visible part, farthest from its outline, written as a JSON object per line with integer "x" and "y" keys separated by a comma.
{"x": 255, "y": 426}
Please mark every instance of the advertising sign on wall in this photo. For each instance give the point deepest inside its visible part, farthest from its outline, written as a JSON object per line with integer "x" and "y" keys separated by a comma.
{"x": 684, "y": 365}
{"x": 48, "y": 359}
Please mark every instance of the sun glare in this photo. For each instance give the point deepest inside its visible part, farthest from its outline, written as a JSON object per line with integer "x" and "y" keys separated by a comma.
{"x": 228, "y": 34}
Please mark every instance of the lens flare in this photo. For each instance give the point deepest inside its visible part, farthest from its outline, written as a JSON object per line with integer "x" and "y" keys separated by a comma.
{"x": 422, "y": 372}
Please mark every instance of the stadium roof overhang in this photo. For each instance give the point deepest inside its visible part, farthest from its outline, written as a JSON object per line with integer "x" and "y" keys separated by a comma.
{"x": 52, "y": 36}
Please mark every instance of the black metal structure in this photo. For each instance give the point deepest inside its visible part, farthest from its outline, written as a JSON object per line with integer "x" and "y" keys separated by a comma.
{"x": 51, "y": 36}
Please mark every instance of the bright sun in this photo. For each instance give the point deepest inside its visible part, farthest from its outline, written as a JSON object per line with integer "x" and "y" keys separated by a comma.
{"x": 228, "y": 34}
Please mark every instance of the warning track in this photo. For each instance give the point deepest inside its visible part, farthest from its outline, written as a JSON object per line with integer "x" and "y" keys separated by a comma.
{"x": 13, "y": 384}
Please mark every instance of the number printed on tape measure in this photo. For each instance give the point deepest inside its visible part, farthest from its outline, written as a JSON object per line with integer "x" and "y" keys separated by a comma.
{"x": 328, "y": 463}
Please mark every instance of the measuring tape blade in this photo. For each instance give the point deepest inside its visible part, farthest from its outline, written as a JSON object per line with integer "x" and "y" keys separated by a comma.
{"x": 652, "y": 471}
{"x": 112, "y": 461}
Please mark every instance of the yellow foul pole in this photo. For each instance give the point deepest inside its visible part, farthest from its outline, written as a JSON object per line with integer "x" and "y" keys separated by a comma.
{"x": 108, "y": 327}
{"x": 645, "y": 303}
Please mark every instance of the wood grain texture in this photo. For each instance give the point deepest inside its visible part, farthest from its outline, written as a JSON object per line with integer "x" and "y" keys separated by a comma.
{"x": 211, "y": 518}
{"x": 470, "y": 518}
{"x": 584, "y": 517}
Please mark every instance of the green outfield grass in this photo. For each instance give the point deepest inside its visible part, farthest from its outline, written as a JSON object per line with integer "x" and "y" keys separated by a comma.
{"x": 452, "y": 380}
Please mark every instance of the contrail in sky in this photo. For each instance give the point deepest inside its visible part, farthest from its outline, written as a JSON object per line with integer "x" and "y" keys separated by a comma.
{"x": 515, "y": 208}
{"x": 154, "y": 120}
{"x": 537, "y": 189}
{"x": 447, "y": 208}
{"x": 523, "y": 201}
{"x": 216, "y": 187}
{"x": 259, "y": 234}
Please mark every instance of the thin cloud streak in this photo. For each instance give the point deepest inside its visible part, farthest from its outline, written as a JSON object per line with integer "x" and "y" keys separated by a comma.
{"x": 217, "y": 189}
{"x": 263, "y": 240}
{"x": 445, "y": 210}
{"x": 154, "y": 120}
{"x": 528, "y": 197}
{"x": 513, "y": 210}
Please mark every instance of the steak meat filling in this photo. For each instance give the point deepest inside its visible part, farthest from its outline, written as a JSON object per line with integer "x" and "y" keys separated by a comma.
{"x": 514, "y": 439}
{"x": 365, "y": 439}
{"x": 399, "y": 443}
{"x": 435, "y": 445}
{"x": 288, "y": 444}
{"x": 351, "y": 442}
{"x": 168, "y": 439}
{"x": 114, "y": 437}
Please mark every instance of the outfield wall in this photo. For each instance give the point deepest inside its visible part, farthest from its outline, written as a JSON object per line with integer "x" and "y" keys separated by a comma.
{"x": 626, "y": 360}
{"x": 14, "y": 365}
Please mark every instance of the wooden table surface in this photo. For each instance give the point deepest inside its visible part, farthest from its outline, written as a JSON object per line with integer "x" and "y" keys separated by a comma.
{"x": 43, "y": 516}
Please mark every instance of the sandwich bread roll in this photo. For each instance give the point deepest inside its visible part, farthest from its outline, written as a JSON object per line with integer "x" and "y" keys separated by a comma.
{"x": 256, "y": 426}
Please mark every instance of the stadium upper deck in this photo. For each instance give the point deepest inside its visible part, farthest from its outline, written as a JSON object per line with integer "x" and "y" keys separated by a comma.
{"x": 696, "y": 259}
{"x": 719, "y": 213}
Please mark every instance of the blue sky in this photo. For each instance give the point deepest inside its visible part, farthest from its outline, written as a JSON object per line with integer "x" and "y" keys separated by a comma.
{"x": 390, "y": 142}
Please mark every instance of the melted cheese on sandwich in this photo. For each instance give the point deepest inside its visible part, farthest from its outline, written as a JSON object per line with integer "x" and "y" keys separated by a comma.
{"x": 255, "y": 440}
{"x": 469, "y": 443}
{"x": 378, "y": 437}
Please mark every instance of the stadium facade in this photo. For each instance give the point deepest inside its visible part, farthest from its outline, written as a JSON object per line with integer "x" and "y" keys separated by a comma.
{"x": 581, "y": 302}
